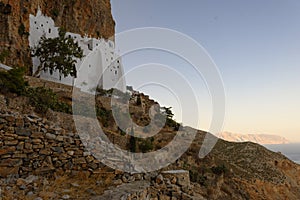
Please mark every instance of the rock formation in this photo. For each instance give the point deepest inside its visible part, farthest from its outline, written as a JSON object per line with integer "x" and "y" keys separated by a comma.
{"x": 91, "y": 17}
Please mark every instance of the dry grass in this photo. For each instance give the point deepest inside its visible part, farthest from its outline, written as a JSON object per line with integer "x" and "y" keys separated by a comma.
{"x": 79, "y": 186}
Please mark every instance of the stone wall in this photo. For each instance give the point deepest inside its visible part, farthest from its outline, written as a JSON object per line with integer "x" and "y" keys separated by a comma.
{"x": 32, "y": 145}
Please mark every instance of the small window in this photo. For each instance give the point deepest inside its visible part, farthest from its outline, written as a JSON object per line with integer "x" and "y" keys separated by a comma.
{"x": 69, "y": 36}
{"x": 47, "y": 22}
{"x": 118, "y": 61}
{"x": 116, "y": 72}
{"x": 90, "y": 47}
{"x": 37, "y": 28}
{"x": 35, "y": 22}
{"x": 89, "y": 66}
{"x": 42, "y": 25}
{"x": 49, "y": 30}
{"x": 118, "y": 67}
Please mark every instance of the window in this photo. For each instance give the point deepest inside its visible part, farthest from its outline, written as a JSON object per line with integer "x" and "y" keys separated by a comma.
{"x": 116, "y": 72}
{"x": 49, "y": 30}
{"x": 35, "y": 22}
{"x": 90, "y": 47}
{"x": 42, "y": 25}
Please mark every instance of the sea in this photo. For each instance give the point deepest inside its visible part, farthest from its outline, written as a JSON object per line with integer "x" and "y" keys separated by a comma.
{"x": 291, "y": 151}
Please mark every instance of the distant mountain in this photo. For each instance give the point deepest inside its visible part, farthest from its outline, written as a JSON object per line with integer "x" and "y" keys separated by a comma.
{"x": 257, "y": 138}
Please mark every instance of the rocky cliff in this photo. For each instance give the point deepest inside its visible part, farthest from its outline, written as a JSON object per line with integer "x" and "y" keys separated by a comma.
{"x": 257, "y": 138}
{"x": 92, "y": 17}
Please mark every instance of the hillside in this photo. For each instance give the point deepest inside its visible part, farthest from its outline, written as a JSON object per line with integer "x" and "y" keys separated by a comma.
{"x": 256, "y": 138}
{"x": 42, "y": 156}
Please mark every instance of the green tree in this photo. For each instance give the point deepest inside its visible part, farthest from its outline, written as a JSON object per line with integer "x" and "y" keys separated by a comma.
{"x": 58, "y": 53}
{"x": 168, "y": 112}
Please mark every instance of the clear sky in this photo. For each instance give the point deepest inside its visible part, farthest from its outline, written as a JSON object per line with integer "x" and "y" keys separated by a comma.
{"x": 255, "y": 44}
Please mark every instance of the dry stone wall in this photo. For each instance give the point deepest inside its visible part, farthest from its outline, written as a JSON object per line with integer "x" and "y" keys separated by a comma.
{"x": 32, "y": 145}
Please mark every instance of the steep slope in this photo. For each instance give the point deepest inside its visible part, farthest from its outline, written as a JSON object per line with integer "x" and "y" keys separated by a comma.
{"x": 230, "y": 171}
{"x": 250, "y": 171}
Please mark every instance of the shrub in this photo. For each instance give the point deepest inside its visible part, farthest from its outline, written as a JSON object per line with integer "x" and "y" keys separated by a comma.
{"x": 55, "y": 12}
{"x": 22, "y": 31}
{"x": 43, "y": 99}
{"x": 146, "y": 145}
{"x": 105, "y": 116}
{"x": 221, "y": 169}
{"x": 3, "y": 55}
{"x": 138, "y": 101}
{"x": 13, "y": 81}
{"x": 198, "y": 178}
{"x": 132, "y": 141}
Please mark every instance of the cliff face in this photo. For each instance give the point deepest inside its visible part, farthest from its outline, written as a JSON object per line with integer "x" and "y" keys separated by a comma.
{"x": 92, "y": 17}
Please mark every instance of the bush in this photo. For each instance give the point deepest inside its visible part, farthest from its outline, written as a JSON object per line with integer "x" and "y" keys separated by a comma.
{"x": 105, "y": 116}
{"x": 22, "y": 31}
{"x": 146, "y": 145}
{"x": 195, "y": 176}
{"x": 13, "y": 81}
{"x": 138, "y": 101}
{"x": 221, "y": 169}
{"x": 43, "y": 99}
{"x": 132, "y": 141}
{"x": 54, "y": 13}
{"x": 3, "y": 55}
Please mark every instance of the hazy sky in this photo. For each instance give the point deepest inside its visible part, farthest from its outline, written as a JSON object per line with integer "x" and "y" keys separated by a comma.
{"x": 255, "y": 45}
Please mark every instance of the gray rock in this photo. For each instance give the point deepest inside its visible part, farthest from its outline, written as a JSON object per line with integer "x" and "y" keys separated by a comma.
{"x": 50, "y": 136}
{"x": 23, "y": 132}
{"x": 66, "y": 196}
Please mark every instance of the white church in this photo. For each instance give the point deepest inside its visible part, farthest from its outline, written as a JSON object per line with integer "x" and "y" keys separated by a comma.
{"x": 100, "y": 66}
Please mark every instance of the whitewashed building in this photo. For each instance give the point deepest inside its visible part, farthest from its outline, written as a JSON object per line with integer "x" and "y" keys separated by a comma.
{"x": 101, "y": 66}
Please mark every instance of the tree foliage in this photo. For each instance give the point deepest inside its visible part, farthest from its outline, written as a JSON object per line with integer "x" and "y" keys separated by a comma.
{"x": 59, "y": 53}
{"x": 168, "y": 112}
{"x": 13, "y": 81}
{"x": 44, "y": 98}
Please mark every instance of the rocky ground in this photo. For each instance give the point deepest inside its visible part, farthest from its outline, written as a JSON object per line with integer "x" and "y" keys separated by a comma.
{"x": 42, "y": 157}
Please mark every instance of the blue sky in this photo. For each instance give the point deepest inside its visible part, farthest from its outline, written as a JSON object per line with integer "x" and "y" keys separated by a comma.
{"x": 255, "y": 45}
